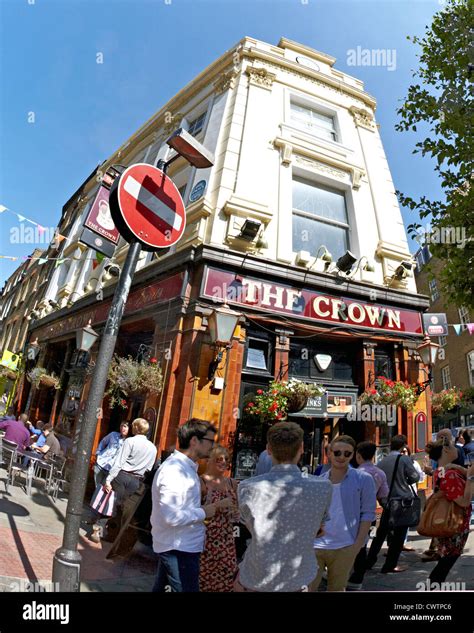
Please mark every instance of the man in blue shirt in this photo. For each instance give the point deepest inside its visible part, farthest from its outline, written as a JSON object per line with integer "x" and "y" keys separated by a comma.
{"x": 108, "y": 449}
{"x": 351, "y": 512}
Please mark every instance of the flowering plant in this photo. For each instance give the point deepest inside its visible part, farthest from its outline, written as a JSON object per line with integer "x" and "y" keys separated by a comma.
{"x": 282, "y": 397}
{"x": 129, "y": 377}
{"x": 445, "y": 400}
{"x": 39, "y": 376}
{"x": 396, "y": 392}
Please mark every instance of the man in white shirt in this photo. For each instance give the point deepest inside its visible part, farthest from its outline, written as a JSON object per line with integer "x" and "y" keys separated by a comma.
{"x": 177, "y": 517}
{"x": 136, "y": 457}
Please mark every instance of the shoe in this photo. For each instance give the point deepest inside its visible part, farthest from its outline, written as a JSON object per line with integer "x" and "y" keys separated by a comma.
{"x": 408, "y": 549}
{"x": 354, "y": 586}
{"x": 395, "y": 570}
{"x": 429, "y": 558}
{"x": 96, "y": 534}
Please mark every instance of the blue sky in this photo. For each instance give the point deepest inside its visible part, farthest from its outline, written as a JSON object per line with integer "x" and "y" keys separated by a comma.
{"x": 151, "y": 48}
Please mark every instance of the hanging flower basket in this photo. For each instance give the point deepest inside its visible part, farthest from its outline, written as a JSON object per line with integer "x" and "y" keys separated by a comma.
{"x": 128, "y": 378}
{"x": 391, "y": 392}
{"x": 446, "y": 400}
{"x": 8, "y": 373}
{"x": 282, "y": 398}
{"x": 39, "y": 377}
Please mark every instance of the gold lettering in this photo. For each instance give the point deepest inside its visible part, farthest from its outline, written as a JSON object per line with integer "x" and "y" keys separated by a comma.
{"x": 394, "y": 317}
{"x": 351, "y": 314}
{"x": 251, "y": 286}
{"x": 316, "y": 305}
{"x": 277, "y": 294}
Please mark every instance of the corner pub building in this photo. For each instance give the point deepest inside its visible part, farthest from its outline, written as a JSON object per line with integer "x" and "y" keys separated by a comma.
{"x": 300, "y": 181}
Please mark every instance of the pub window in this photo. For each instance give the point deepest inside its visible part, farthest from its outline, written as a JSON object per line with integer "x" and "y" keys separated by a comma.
{"x": 446, "y": 377}
{"x": 319, "y": 217}
{"x": 258, "y": 356}
{"x": 384, "y": 365}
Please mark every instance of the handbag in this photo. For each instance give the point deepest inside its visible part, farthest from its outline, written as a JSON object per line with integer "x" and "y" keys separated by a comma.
{"x": 441, "y": 517}
{"x": 402, "y": 511}
{"x": 102, "y": 501}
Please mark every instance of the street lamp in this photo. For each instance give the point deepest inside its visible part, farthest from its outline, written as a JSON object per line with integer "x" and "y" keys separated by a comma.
{"x": 428, "y": 352}
{"x": 85, "y": 338}
{"x": 222, "y": 323}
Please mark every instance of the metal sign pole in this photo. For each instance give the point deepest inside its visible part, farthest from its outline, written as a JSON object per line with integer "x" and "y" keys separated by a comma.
{"x": 67, "y": 560}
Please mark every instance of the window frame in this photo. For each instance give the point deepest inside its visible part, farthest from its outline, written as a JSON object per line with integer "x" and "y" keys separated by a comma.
{"x": 318, "y": 218}
{"x": 434, "y": 291}
{"x": 303, "y": 101}
{"x": 446, "y": 377}
{"x": 470, "y": 367}
{"x": 464, "y": 318}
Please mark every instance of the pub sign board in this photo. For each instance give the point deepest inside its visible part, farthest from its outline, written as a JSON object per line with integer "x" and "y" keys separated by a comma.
{"x": 435, "y": 324}
{"x": 308, "y": 304}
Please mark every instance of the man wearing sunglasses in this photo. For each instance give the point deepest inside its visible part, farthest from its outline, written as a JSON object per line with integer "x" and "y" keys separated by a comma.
{"x": 177, "y": 517}
{"x": 351, "y": 512}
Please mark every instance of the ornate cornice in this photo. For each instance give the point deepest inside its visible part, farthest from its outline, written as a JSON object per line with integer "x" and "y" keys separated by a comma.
{"x": 363, "y": 118}
{"x": 225, "y": 82}
{"x": 260, "y": 77}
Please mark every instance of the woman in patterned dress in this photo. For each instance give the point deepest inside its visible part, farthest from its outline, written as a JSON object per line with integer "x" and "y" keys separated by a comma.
{"x": 219, "y": 560}
{"x": 454, "y": 481}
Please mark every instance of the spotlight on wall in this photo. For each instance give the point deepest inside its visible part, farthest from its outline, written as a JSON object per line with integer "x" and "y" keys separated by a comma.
{"x": 261, "y": 242}
{"x": 53, "y": 303}
{"x": 249, "y": 230}
{"x": 326, "y": 255}
{"x": 368, "y": 266}
{"x": 345, "y": 263}
{"x": 404, "y": 270}
{"x": 112, "y": 269}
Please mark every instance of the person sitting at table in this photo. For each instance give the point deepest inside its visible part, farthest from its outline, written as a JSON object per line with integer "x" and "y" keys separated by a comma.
{"x": 51, "y": 445}
{"x": 37, "y": 435}
{"x": 15, "y": 431}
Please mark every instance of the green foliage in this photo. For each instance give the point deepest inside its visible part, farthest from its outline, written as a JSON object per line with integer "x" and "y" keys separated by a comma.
{"x": 443, "y": 102}
{"x": 128, "y": 377}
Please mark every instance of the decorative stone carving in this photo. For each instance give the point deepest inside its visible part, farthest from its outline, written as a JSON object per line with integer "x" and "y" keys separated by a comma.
{"x": 260, "y": 77}
{"x": 316, "y": 165}
{"x": 363, "y": 118}
{"x": 286, "y": 154}
{"x": 225, "y": 82}
{"x": 314, "y": 81}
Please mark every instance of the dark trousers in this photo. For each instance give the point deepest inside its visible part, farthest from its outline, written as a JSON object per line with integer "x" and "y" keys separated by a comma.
{"x": 394, "y": 549}
{"x": 125, "y": 485}
{"x": 442, "y": 568}
{"x": 359, "y": 568}
{"x": 177, "y": 571}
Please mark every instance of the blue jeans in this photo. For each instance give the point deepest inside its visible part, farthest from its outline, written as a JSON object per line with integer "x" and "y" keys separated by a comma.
{"x": 177, "y": 570}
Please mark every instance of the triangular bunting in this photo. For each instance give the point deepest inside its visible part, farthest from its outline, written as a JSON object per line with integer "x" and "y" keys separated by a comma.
{"x": 2, "y": 208}
{"x": 58, "y": 262}
{"x": 457, "y": 328}
{"x": 41, "y": 229}
{"x": 42, "y": 260}
{"x": 470, "y": 327}
{"x": 20, "y": 217}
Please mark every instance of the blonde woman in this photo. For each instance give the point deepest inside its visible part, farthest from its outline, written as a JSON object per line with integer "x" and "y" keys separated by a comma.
{"x": 219, "y": 559}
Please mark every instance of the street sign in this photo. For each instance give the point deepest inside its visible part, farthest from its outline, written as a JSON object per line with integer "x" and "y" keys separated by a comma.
{"x": 147, "y": 207}
{"x": 435, "y": 324}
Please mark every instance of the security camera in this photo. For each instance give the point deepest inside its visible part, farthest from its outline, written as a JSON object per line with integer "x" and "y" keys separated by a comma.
{"x": 112, "y": 269}
{"x": 53, "y": 303}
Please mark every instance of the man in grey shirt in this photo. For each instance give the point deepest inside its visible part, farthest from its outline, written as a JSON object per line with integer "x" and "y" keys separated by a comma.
{"x": 405, "y": 475}
{"x": 283, "y": 510}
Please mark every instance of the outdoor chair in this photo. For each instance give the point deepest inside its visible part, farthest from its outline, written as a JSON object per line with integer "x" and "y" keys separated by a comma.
{"x": 10, "y": 461}
{"x": 58, "y": 479}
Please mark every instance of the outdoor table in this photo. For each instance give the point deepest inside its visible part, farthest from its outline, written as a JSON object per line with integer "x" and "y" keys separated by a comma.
{"x": 34, "y": 459}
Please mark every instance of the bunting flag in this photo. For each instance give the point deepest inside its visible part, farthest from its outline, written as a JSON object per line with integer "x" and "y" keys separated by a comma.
{"x": 8, "y": 257}
{"x": 457, "y": 329}
{"x": 42, "y": 260}
{"x": 470, "y": 327}
{"x": 58, "y": 262}
{"x": 41, "y": 229}
{"x": 99, "y": 258}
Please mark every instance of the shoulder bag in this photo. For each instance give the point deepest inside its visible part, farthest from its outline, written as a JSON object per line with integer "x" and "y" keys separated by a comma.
{"x": 441, "y": 517}
{"x": 402, "y": 511}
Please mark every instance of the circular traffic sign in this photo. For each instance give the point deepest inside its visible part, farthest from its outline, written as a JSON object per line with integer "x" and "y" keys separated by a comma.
{"x": 147, "y": 207}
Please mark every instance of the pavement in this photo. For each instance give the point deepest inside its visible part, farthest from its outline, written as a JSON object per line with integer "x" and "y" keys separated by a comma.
{"x": 31, "y": 530}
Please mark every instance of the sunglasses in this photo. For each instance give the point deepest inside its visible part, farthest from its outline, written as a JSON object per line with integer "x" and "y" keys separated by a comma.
{"x": 345, "y": 453}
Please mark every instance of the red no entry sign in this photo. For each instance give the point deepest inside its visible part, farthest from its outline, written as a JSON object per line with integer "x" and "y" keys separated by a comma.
{"x": 146, "y": 206}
